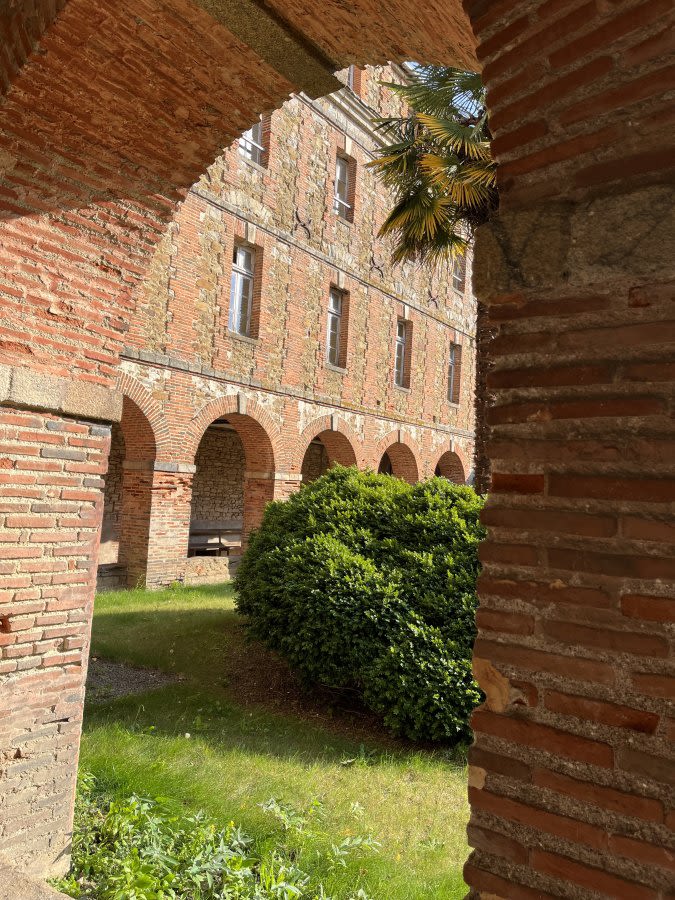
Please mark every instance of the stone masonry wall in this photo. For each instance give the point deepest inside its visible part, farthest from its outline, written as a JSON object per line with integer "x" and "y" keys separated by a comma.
{"x": 314, "y": 463}
{"x": 218, "y": 484}
{"x": 112, "y": 494}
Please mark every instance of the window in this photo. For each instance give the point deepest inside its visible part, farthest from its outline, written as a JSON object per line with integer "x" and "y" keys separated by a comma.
{"x": 344, "y": 179}
{"x": 459, "y": 273}
{"x": 402, "y": 354}
{"x": 251, "y": 144}
{"x": 241, "y": 290}
{"x": 335, "y": 337}
{"x": 454, "y": 373}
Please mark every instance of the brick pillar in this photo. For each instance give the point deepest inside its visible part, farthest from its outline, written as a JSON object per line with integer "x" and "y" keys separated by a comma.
{"x": 51, "y": 506}
{"x": 260, "y": 488}
{"x": 169, "y": 522}
{"x": 134, "y": 530}
{"x": 572, "y": 772}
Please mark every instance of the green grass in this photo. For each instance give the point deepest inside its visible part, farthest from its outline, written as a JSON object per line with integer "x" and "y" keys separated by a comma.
{"x": 239, "y": 755}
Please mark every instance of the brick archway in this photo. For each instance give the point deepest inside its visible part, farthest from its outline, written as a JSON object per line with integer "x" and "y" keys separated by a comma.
{"x": 339, "y": 440}
{"x": 136, "y": 466}
{"x": 403, "y": 461}
{"x": 260, "y": 439}
{"x": 450, "y": 466}
{"x": 570, "y": 764}
{"x": 259, "y": 433}
{"x": 152, "y": 414}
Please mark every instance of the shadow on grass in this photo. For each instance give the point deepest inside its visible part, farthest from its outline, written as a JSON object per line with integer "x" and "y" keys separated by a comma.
{"x": 239, "y": 730}
{"x": 197, "y": 634}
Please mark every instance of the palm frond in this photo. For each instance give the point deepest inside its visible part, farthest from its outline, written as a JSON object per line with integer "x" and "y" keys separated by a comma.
{"x": 437, "y": 164}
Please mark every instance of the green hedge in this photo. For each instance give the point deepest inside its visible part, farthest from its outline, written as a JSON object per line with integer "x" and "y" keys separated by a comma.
{"x": 365, "y": 582}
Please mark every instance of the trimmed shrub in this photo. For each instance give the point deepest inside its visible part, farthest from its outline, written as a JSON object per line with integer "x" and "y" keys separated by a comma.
{"x": 366, "y": 582}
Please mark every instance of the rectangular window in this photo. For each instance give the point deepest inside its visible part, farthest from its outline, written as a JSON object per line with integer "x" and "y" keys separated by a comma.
{"x": 454, "y": 373}
{"x": 402, "y": 354}
{"x": 343, "y": 188}
{"x": 251, "y": 144}
{"x": 459, "y": 273}
{"x": 334, "y": 332}
{"x": 241, "y": 290}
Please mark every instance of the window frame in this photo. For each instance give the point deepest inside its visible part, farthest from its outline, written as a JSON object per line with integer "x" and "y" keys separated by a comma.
{"x": 334, "y": 327}
{"x": 459, "y": 274}
{"x": 454, "y": 372}
{"x": 241, "y": 276}
{"x": 354, "y": 79}
{"x": 402, "y": 353}
{"x": 343, "y": 205}
{"x": 251, "y": 145}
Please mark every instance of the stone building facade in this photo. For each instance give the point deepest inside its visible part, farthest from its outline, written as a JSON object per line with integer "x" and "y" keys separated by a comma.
{"x": 240, "y": 411}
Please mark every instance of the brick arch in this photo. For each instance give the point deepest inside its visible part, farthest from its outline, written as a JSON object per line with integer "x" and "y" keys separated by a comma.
{"x": 450, "y": 466}
{"x": 259, "y": 433}
{"x": 404, "y": 456}
{"x": 151, "y": 411}
{"x": 341, "y": 442}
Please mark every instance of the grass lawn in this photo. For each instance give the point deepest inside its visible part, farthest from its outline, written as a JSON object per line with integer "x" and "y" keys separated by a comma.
{"x": 237, "y": 731}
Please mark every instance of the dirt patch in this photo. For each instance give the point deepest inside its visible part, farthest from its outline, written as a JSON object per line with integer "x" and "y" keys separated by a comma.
{"x": 259, "y": 677}
{"x": 108, "y": 680}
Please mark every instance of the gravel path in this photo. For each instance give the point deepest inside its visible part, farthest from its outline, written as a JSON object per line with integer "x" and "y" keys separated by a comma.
{"x": 108, "y": 680}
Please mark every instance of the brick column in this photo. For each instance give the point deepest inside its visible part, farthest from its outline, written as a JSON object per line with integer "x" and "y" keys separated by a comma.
{"x": 260, "y": 488}
{"x": 51, "y": 505}
{"x": 572, "y": 770}
{"x": 169, "y": 522}
{"x": 134, "y": 531}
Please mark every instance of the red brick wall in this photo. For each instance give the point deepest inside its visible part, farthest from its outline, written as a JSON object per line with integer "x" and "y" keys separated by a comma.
{"x": 50, "y": 501}
{"x": 572, "y": 769}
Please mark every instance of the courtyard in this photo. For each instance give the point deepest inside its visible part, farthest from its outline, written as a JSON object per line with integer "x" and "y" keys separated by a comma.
{"x": 236, "y": 730}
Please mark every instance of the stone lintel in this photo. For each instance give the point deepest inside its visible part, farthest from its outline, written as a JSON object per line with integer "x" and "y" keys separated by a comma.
{"x": 150, "y": 465}
{"x": 25, "y": 388}
{"x": 273, "y": 476}
{"x": 598, "y": 240}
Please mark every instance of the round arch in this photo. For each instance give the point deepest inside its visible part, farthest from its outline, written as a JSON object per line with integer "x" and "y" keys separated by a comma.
{"x": 255, "y": 479}
{"x": 399, "y": 460}
{"x": 342, "y": 445}
{"x": 257, "y": 430}
{"x": 450, "y": 466}
{"x": 151, "y": 412}
{"x": 127, "y": 495}
{"x": 326, "y": 449}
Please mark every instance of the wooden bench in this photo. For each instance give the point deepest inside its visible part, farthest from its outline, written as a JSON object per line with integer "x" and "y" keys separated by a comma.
{"x": 214, "y": 538}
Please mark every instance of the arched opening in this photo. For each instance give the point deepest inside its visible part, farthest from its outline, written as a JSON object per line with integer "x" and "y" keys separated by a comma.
{"x": 399, "y": 460}
{"x": 232, "y": 483}
{"x": 450, "y": 466}
{"x": 325, "y": 450}
{"x": 127, "y": 501}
